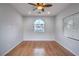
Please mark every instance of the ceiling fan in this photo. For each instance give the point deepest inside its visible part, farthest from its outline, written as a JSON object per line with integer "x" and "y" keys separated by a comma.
{"x": 40, "y": 6}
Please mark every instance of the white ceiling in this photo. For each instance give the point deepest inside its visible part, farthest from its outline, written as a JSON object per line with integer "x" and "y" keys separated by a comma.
{"x": 27, "y": 10}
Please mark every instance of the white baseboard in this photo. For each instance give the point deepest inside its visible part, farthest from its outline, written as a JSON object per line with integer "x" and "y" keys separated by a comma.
{"x": 38, "y": 40}
{"x": 11, "y": 49}
{"x": 67, "y": 48}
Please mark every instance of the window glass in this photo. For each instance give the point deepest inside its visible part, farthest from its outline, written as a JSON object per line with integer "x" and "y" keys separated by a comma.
{"x": 39, "y": 25}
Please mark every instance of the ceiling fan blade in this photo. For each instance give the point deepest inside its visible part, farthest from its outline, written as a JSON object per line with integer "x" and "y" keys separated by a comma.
{"x": 38, "y": 3}
{"x": 43, "y": 10}
{"x": 32, "y": 4}
{"x": 48, "y": 5}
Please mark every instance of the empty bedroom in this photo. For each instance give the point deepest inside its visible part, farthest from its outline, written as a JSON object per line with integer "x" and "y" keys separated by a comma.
{"x": 39, "y": 29}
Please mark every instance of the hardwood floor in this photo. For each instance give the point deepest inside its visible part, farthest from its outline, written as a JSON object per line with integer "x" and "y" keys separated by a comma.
{"x": 51, "y": 48}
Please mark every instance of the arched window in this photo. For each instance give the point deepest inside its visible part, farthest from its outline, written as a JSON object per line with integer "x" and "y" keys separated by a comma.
{"x": 39, "y": 25}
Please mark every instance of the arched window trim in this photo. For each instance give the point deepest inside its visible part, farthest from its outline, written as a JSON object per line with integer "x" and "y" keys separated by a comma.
{"x": 39, "y": 25}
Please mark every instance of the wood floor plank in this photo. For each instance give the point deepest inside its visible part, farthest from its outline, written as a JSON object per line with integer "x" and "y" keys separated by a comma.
{"x": 51, "y": 48}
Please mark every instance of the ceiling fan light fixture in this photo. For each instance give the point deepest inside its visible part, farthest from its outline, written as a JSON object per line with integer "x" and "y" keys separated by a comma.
{"x": 39, "y": 7}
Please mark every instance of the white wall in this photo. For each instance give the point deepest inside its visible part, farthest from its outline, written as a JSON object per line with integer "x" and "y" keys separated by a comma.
{"x": 10, "y": 28}
{"x": 70, "y": 44}
{"x": 29, "y": 33}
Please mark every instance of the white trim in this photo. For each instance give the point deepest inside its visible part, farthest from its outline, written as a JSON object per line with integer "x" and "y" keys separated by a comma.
{"x": 11, "y": 49}
{"x": 38, "y": 40}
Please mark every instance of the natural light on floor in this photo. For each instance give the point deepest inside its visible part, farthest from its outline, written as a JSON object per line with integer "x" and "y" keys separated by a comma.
{"x": 39, "y": 52}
